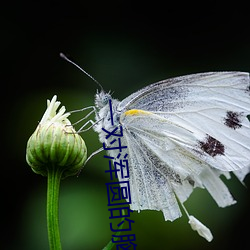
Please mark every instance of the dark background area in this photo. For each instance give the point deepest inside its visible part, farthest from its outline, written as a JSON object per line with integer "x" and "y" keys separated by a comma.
{"x": 125, "y": 47}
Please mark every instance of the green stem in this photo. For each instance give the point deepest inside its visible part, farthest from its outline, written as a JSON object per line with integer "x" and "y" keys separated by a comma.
{"x": 54, "y": 177}
{"x": 110, "y": 245}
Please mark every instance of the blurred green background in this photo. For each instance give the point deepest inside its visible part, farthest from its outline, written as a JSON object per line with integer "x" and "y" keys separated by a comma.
{"x": 125, "y": 47}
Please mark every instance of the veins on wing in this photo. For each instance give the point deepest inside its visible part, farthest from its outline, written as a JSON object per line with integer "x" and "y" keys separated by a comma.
{"x": 161, "y": 171}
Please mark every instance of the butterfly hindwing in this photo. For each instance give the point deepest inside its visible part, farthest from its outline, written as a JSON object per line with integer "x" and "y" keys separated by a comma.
{"x": 166, "y": 153}
{"x": 150, "y": 189}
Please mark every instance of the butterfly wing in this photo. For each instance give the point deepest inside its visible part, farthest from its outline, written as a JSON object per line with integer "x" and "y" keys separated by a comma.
{"x": 213, "y": 106}
{"x": 149, "y": 189}
{"x": 176, "y": 93}
{"x": 182, "y": 133}
{"x": 161, "y": 167}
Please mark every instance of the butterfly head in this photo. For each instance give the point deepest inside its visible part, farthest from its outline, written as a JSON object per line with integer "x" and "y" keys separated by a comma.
{"x": 107, "y": 116}
{"x": 102, "y": 99}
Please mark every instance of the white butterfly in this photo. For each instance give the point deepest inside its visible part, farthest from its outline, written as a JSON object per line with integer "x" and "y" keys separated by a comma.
{"x": 182, "y": 133}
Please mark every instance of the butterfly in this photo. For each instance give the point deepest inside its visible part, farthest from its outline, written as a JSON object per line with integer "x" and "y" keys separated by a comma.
{"x": 181, "y": 133}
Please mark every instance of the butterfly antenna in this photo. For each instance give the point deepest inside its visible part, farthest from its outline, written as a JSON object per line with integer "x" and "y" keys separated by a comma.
{"x": 90, "y": 76}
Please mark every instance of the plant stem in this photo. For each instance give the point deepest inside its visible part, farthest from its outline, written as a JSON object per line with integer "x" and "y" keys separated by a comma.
{"x": 110, "y": 245}
{"x": 54, "y": 177}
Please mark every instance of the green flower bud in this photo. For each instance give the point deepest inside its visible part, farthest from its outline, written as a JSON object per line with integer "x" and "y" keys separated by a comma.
{"x": 55, "y": 144}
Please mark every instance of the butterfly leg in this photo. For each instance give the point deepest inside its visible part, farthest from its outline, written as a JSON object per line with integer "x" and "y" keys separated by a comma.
{"x": 92, "y": 154}
{"x": 86, "y": 116}
{"x": 83, "y": 127}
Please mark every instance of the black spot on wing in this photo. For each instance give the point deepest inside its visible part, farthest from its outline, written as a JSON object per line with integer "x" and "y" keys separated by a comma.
{"x": 212, "y": 146}
{"x": 233, "y": 119}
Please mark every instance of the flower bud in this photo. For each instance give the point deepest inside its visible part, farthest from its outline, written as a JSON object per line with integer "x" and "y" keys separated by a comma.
{"x": 55, "y": 144}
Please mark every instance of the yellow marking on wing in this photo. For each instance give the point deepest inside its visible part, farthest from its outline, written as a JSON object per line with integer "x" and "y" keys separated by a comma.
{"x": 137, "y": 112}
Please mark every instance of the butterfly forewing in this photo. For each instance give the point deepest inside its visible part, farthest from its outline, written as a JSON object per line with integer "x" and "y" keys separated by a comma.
{"x": 176, "y": 93}
{"x": 210, "y": 107}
